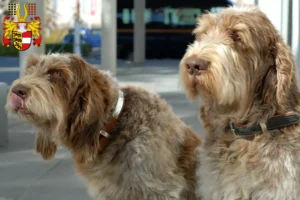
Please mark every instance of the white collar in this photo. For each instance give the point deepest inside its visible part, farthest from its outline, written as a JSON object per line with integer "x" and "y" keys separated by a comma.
{"x": 116, "y": 113}
{"x": 119, "y": 105}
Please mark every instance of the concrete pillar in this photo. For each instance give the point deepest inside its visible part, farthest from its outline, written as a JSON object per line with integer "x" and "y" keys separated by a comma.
{"x": 77, "y": 25}
{"x": 286, "y": 20}
{"x": 109, "y": 36}
{"x": 296, "y": 31}
{"x": 3, "y": 115}
{"x": 32, "y": 49}
{"x": 139, "y": 32}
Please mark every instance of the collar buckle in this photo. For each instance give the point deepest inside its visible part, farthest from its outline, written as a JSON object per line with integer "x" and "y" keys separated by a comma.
{"x": 105, "y": 134}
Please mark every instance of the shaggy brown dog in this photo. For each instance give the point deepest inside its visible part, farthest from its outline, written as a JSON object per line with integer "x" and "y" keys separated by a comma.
{"x": 126, "y": 142}
{"x": 245, "y": 77}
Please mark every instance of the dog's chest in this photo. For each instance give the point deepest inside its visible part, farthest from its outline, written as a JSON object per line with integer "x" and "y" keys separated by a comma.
{"x": 268, "y": 172}
{"x": 130, "y": 175}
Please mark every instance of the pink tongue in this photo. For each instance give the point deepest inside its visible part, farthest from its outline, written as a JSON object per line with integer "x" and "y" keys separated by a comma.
{"x": 16, "y": 101}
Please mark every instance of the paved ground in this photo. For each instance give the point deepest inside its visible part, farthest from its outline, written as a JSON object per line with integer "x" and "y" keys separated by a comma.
{"x": 23, "y": 176}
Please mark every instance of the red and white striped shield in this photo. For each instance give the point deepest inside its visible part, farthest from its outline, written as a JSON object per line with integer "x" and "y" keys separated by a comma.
{"x": 22, "y": 41}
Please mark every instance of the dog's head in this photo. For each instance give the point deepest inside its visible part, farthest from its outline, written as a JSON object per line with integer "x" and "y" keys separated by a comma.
{"x": 56, "y": 95}
{"x": 41, "y": 95}
{"x": 238, "y": 56}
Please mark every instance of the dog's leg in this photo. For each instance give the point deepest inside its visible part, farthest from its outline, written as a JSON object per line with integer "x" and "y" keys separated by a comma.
{"x": 44, "y": 144}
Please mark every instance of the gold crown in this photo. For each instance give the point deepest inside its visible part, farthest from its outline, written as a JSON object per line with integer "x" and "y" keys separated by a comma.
{"x": 22, "y": 19}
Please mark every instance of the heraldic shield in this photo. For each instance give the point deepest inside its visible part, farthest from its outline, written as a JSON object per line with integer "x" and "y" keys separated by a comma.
{"x": 22, "y": 40}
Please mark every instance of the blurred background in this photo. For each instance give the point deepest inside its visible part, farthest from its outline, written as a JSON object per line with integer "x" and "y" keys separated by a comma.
{"x": 130, "y": 32}
{"x": 140, "y": 41}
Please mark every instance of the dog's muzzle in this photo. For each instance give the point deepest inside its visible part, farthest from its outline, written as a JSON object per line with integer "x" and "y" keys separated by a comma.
{"x": 18, "y": 95}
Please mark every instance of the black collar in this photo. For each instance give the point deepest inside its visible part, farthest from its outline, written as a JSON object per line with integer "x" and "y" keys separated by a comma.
{"x": 275, "y": 122}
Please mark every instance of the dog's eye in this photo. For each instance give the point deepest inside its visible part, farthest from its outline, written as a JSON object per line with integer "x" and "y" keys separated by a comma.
{"x": 53, "y": 74}
{"x": 56, "y": 74}
{"x": 234, "y": 35}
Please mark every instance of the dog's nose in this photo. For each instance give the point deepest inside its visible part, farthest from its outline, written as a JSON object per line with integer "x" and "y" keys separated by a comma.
{"x": 20, "y": 90}
{"x": 195, "y": 65}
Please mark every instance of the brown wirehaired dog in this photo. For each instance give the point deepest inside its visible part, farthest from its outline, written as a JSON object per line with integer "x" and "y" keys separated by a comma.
{"x": 245, "y": 77}
{"x": 126, "y": 142}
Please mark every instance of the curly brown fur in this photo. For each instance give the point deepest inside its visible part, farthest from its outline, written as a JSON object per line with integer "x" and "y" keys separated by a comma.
{"x": 248, "y": 77}
{"x": 152, "y": 152}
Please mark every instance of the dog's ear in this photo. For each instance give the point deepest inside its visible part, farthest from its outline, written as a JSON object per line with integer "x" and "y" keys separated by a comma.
{"x": 86, "y": 111}
{"x": 280, "y": 77}
{"x": 44, "y": 145}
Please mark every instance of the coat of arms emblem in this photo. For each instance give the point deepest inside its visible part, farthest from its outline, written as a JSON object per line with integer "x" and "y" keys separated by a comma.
{"x": 19, "y": 31}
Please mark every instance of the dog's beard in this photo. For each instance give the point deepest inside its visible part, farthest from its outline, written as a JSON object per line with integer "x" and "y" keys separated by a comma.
{"x": 41, "y": 105}
{"x": 225, "y": 80}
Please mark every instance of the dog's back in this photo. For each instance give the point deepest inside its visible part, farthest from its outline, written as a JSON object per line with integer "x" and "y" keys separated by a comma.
{"x": 152, "y": 155}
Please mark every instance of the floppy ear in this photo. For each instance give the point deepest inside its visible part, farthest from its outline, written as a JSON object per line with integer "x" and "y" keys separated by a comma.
{"x": 44, "y": 145}
{"x": 86, "y": 111}
{"x": 281, "y": 77}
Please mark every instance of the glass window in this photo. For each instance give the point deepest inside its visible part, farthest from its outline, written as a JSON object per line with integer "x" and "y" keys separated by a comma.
{"x": 166, "y": 16}
{"x": 95, "y": 31}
